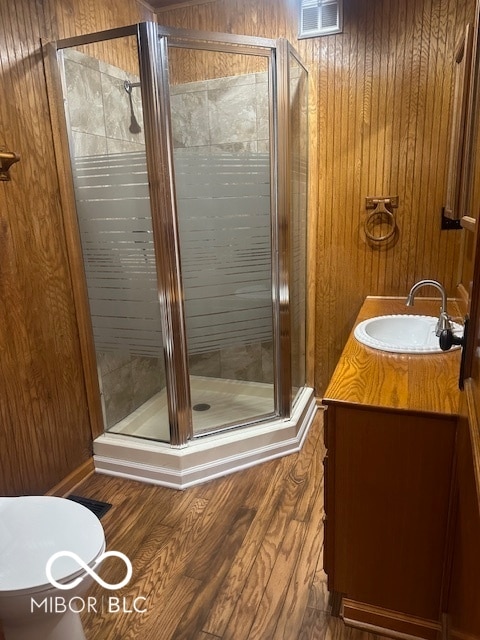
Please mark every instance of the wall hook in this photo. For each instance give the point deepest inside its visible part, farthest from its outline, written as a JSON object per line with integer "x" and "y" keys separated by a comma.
{"x": 7, "y": 158}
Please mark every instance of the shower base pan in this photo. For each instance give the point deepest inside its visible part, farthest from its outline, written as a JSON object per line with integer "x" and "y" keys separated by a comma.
{"x": 208, "y": 457}
{"x": 215, "y": 402}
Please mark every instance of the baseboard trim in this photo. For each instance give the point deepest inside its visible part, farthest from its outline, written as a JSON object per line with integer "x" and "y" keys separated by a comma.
{"x": 68, "y": 484}
{"x": 388, "y": 623}
{"x": 207, "y": 458}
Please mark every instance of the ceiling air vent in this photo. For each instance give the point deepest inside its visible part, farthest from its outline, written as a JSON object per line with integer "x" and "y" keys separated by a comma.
{"x": 320, "y": 17}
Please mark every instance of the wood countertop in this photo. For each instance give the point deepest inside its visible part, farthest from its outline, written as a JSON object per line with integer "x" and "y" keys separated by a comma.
{"x": 410, "y": 382}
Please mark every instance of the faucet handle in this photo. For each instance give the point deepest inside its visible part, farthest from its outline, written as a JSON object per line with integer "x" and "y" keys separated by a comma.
{"x": 447, "y": 339}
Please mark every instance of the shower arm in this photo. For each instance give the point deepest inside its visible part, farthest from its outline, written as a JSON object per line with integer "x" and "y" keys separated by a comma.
{"x": 128, "y": 86}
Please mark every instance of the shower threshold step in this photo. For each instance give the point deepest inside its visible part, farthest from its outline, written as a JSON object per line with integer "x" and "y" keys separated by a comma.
{"x": 205, "y": 458}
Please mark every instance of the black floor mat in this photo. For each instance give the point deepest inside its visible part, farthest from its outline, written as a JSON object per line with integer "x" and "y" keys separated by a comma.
{"x": 98, "y": 508}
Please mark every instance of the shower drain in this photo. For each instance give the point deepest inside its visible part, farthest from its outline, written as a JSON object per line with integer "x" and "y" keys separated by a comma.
{"x": 202, "y": 406}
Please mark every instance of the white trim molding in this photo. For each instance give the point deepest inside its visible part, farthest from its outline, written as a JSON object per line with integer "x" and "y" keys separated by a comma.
{"x": 204, "y": 458}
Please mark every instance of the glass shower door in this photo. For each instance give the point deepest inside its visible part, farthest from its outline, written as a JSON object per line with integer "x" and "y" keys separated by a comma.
{"x": 220, "y": 105}
{"x": 191, "y": 207}
{"x": 104, "y": 112}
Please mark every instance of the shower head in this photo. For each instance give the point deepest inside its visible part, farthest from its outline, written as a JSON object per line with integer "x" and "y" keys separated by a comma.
{"x": 134, "y": 126}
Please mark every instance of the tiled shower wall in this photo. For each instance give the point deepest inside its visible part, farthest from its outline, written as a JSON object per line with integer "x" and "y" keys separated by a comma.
{"x": 103, "y": 128}
{"x": 203, "y": 113}
{"x": 199, "y": 111}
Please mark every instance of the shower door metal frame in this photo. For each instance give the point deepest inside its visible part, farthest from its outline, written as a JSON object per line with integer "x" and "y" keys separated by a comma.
{"x": 153, "y": 41}
{"x": 288, "y": 50}
{"x": 269, "y": 49}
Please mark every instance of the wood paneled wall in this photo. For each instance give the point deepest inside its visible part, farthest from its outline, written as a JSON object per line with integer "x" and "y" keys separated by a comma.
{"x": 380, "y": 129}
{"x": 44, "y": 425}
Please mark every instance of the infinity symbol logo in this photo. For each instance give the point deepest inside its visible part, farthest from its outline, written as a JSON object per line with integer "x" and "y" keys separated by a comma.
{"x": 89, "y": 570}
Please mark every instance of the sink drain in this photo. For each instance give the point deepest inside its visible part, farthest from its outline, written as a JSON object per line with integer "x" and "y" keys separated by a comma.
{"x": 202, "y": 406}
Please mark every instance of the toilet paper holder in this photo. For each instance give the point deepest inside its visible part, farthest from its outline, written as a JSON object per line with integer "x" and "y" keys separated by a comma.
{"x": 382, "y": 212}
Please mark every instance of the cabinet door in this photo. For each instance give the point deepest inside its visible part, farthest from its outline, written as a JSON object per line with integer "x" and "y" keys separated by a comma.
{"x": 464, "y": 594}
{"x": 392, "y": 479}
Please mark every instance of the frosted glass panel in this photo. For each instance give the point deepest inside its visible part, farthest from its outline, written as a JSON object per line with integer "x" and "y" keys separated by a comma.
{"x": 221, "y": 136}
{"x": 105, "y": 116}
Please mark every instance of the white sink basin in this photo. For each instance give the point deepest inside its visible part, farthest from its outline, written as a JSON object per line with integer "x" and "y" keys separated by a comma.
{"x": 402, "y": 334}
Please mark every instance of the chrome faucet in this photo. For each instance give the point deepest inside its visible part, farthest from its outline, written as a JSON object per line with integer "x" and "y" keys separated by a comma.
{"x": 444, "y": 319}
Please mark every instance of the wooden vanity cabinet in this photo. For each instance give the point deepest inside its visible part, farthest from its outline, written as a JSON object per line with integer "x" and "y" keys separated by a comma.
{"x": 387, "y": 502}
{"x": 388, "y": 479}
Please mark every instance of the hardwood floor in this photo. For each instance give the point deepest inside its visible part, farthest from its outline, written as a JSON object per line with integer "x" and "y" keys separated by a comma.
{"x": 238, "y": 558}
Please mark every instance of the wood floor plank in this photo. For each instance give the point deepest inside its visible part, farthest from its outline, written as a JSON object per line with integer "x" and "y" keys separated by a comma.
{"x": 318, "y": 592}
{"x": 315, "y": 625}
{"x": 194, "y": 618}
{"x": 273, "y": 599}
{"x": 297, "y": 595}
{"x": 210, "y": 534}
{"x": 310, "y": 468}
{"x": 174, "y": 604}
{"x": 222, "y": 608}
{"x": 157, "y": 564}
{"x": 247, "y": 604}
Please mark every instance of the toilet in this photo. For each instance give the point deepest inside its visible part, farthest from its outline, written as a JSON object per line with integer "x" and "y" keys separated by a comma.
{"x": 32, "y": 529}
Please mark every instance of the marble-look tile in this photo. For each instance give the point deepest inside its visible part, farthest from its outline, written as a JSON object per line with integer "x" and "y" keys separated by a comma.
{"x": 87, "y": 144}
{"x": 232, "y": 114}
{"x": 203, "y": 150}
{"x": 84, "y": 98}
{"x": 116, "y": 72}
{"x": 261, "y": 77}
{"x": 109, "y": 361}
{"x": 188, "y": 87}
{"x": 82, "y": 58}
{"x": 267, "y": 361}
{"x": 263, "y": 146}
{"x": 117, "y": 394}
{"x": 205, "y": 364}
{"x": 190, "y": 119}
{"x": 229, "y": 82}
{"x": 123, "y": 146}
{"x": 235, "y": 147}
{"x": 242, "y": 363}
{"x": 148, "y": 376}
{"x": 262, "y": 111}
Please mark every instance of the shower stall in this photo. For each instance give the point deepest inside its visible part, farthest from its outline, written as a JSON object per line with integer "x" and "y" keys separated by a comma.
{"x": 185, "y": 199}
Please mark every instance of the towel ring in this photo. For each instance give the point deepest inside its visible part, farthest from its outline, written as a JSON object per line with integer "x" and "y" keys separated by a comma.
{"x": 381, "y": 210}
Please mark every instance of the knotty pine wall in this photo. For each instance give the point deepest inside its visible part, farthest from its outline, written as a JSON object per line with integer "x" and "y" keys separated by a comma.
{"x": 379, "y": 127}
{"x": 44, "y": 425}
